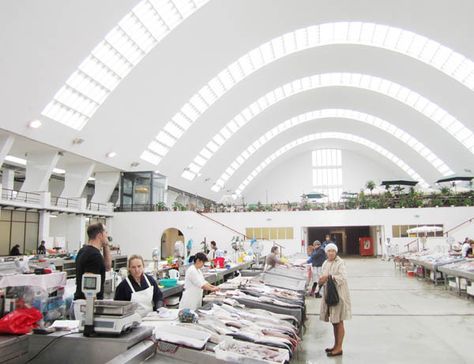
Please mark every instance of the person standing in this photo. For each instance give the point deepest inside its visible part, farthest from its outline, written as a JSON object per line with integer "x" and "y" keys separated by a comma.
{"x": 465, "y": 247}
{"x": 15, "y": 250}
{"x": 335, "y": 268}
{"x": 316, "y": 259}
{"x": 327, "y": 241}
{"x": 139, "y": 288}
{"x": 90, "y": 260}
{"x": 42, "y": 247}
{"x": 195, "y": 284}
{"x": 272, "y": 259}
{"x": 212, "y": 252}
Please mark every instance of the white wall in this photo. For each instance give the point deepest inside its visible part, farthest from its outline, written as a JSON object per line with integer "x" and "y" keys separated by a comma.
{"x": 289, "y": 180}
{"x": 140, "y": 232}
{"x": 71, "y": 227}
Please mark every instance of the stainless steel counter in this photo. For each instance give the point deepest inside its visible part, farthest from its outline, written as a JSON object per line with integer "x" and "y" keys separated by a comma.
{"x": 75, "y": 348}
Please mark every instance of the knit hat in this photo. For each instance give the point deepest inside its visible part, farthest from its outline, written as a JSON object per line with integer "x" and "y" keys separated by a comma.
{"x": 330, "y": 246}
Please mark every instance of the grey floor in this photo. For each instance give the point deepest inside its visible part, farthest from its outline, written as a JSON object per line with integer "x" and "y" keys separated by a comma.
{"x": 396, "y": 319}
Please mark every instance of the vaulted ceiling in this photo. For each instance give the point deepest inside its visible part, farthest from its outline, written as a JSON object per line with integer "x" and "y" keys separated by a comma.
{"x": 210, "y": 93}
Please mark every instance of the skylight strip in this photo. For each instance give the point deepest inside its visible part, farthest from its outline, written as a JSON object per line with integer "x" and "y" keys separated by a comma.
{"x": 383, "y": 125}
{"x": 366, "y": 34}
{"x": 150, "y": 157}
{"x": 368, "y": 82}
{"x": 136, "y": 34}
{"x": 334, "y": 135}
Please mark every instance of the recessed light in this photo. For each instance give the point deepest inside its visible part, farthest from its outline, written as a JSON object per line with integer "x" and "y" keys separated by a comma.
{"x": 111, "y": 154}
{"x": 35, "y": 124}
{"x": 134, "y": 164}
{"x": 77, "y": 141}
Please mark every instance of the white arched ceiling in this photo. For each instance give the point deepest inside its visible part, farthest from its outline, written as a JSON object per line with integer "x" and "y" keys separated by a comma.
{"x": 398, "y": 133}
{"x": 115, "y": 57}
{"x": 394, "y": 39}
{"x": 388, "y": 88}
{"x": 329, "y": 135}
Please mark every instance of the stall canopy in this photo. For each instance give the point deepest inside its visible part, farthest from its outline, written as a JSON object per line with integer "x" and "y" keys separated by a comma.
{"x": 399, "y": 182}
{"x": 454, "y": 179}
{"x": 424, "y": 229}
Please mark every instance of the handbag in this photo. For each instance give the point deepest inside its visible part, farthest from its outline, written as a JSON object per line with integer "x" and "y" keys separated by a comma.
{"x": 332, "y": 297}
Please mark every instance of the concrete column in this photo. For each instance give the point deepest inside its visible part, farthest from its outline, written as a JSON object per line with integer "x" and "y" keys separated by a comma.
{"x": 8, "y": 179}
{"x": 39, "y": 167}
{"x": 76, "y": 179}
{"x": 6, "y": 142}
{"x": 43, "y": 227}
{"x": 105, "y": 183}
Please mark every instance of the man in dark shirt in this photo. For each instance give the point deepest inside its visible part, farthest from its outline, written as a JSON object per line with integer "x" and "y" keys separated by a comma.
{"x": 316, "y": 259}
{"x": 90, "y": 260}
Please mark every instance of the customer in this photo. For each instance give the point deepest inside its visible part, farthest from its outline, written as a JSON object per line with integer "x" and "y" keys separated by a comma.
{"x": 194, "y": 283}
{"x": 316, "y": 259}
{"x": 327, "y": 241}
{"x": 90, "y": 260}
{"x": 469, "y": 253}
{"x": 139, "y": 288}
{"x": 42, "y": 247}
{"x": 212, "y": 253}
{"x": 465, "y": 247}
{"x": 15, "y": 250}
{"x": 272, "y": 259}
{"x": 335, "y": 268}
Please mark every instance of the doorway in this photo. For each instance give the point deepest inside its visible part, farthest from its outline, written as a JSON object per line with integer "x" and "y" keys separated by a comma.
{"x": 168, "y": 240}
{"x": 345, "y": 237}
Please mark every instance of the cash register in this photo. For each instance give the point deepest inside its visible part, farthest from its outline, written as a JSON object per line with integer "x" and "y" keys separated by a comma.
{"x": 103, "y": 316}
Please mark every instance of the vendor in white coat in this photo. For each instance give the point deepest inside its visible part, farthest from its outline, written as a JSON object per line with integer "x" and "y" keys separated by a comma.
{"x": 139, "y": 288}
{"x": 194, "y": 283}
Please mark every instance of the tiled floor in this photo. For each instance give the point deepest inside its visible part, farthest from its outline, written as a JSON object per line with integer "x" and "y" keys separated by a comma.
{"x": 396, "y": 319}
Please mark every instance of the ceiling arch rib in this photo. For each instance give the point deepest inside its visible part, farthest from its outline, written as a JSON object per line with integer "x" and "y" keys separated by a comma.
{"x": 410, "y": 44}
{"x": 330, "y": 135}
{"x": 398, "y": 133}
{"x": 367, "y": 82}
{"x": 115, "y": 57}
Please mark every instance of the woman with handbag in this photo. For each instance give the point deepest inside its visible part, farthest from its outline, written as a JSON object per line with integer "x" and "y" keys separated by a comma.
{"x": 336, "y": 305}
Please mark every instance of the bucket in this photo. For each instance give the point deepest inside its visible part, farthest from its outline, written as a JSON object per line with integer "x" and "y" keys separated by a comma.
{"x": 173, "y": 273}
{"x": 219, "y": 262}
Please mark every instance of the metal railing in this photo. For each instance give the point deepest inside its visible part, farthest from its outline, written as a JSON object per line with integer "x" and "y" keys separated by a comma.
{"x": 99, "y": 207}
{"x": 20, "y": 196}
{"x": 63, "y": 202}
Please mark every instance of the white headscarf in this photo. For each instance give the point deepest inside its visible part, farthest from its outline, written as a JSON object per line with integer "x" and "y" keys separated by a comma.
{"x": 330, "y": 246}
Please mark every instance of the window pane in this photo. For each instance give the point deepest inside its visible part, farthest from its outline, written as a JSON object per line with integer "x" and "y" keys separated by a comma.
{"x": 265, "y": 233}
{"x": 281, "y": 233}
{"x": 4, "y": 237}
{"x": 274, "y": 233}
{"x": 289, "y": 233}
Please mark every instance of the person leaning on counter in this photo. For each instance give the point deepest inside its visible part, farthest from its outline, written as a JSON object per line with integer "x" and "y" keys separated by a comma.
{"x": 139, "y": 288}
{"x": 194, "y": 283}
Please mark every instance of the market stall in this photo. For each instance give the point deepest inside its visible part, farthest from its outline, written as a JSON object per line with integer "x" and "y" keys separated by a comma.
{"x": 463, "y": 274}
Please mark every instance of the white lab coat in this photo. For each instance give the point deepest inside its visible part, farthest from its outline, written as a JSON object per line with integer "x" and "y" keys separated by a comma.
{"x": 192, "y": 295}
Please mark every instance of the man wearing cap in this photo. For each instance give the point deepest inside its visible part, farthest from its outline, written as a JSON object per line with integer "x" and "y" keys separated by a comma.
{"x": 317, "y": 258}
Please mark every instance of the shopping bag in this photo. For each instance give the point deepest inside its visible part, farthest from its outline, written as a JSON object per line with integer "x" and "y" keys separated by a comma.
{"x": 20, "y": 321}
{"x": 332, "y": 297}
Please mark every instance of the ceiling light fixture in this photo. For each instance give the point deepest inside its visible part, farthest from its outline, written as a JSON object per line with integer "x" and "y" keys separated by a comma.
{"x": 111, "y": 154}
{"x": 134, "y": 164}
{"x": 35, "y": 124}
{"x": 77, "y": 141}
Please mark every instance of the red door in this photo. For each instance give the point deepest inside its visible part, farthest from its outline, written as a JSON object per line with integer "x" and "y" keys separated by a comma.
{"x": 366, "y": 246}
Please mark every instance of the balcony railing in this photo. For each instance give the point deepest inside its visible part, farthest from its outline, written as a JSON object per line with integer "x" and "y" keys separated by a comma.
{"x": 67, "y": 203}
{"x": 20, "y": 196}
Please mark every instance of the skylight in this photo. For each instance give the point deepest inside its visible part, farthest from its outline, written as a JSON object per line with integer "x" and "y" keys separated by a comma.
{"x": 115, "y": 57}
{"x": 388, "y": 88}
{"x": 330, "y": 135}
{"x": 410, "y": 44}
{"x": 398, "y": 133}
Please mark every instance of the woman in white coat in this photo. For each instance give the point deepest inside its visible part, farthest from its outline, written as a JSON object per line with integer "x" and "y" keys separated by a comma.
{"x": 195, "y": 284}
{"x": 335, "y": 268}
{"x": 139, "y": 288}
